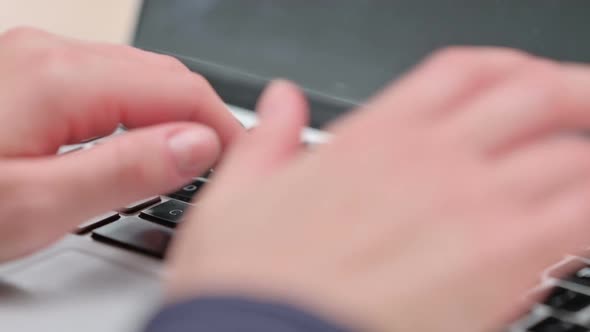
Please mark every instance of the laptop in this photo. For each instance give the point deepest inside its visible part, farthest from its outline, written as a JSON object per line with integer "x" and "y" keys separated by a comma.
{"x": 104, "y": 276}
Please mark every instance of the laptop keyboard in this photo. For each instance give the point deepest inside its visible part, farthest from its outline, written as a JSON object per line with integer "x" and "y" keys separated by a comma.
{"x": 567, "y": 300}
{"x": 136, "y": 234}
{"x": 187, "y": 192}
{"x": 553, "y": 324}
{"x": 147, "y": 226}
{"x": 139, "y": 205}
{"x": 581, "y": 276}
{"x": 97, "y": 222}
{"x": 169, "y": 213}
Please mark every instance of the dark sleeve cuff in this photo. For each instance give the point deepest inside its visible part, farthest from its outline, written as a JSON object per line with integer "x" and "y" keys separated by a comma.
{"x": 232, "y": 314}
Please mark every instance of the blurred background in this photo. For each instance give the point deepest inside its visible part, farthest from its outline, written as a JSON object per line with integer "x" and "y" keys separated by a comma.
{"x": 104, "y": 20}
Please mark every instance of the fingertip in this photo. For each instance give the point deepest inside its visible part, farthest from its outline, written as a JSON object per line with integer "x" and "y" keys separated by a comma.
{"x": 194, "y": 149}
{"x": 138, "y": 164}
{"x": 282, "y": 96}
{"x": 281, "y": 84}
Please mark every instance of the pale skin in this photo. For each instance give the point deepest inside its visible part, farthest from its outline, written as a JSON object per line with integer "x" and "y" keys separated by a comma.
{"x": 443, "y": 197}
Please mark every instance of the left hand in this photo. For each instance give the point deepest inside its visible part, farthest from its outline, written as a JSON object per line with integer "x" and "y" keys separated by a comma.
{"x": 56, "y": 91}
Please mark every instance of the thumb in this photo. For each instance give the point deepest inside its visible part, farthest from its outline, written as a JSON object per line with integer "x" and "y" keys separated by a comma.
{"x": 67, "y": 189}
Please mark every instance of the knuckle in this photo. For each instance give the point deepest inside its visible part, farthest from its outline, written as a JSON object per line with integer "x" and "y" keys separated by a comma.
{"x": 21, "y": 33}
{"x": 452, "y": 55}
{"x": 471, "y": 59}
{"x": 541, "y": 72}
{"x": 543, "y": 79}
{"x": 58, "y": 56}
{"x": 505, "y": 54}
{"x": 172, "y": 62}
{"x": 41, "y": 54}
{"x": 199, "y": 83}
{"x": 53, "y": 65}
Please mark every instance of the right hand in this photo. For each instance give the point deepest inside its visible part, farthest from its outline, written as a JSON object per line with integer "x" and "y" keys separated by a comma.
{"x": 434, "y": 208}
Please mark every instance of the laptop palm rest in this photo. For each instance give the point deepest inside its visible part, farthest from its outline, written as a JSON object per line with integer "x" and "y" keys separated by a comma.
{"x": 74, "y": 290}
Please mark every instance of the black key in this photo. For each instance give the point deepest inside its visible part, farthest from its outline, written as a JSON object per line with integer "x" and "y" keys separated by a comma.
{"x": 581, "y": 277}
{"x": 552, "y": 324}
{"x": 93, "y": 223}
{"x": 187, "y": 192}
{"x": 568, "y": 300}
{"x": 135, "y": 234}
{"x": 169, "y": 213}
{"x": 139, "y": 205}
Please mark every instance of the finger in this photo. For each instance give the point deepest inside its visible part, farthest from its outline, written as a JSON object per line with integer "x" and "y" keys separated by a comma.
{"x": 69, "y": 189}
{"x": 157, "y": 96}
{"x": 541, "y": 238}
{"x": 32, "y": 38}
{"x": 283, "y": 113}
{"x": 559, "y": 227}
{"x": 128, "y": 53}
{"x": 543, "y": 170}
{"x": 138, "y": 164}
{"x": 543, "y": 98}
{"x": 445, "y": 80}
{"x": 28, "y": 37}
{"x": 79, "y": 106}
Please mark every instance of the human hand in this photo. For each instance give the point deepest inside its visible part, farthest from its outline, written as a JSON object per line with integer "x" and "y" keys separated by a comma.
{"x": 56, "y": 91}
{"x": 433, "y": 208}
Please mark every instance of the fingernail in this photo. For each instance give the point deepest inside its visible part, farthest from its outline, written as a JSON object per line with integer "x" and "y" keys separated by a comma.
{"x": 185, "y": 147}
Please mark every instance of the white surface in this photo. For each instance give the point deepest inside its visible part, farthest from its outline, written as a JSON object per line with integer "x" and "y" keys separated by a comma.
{"x": 102, "y": 20}
{"x": 79, "y": 285}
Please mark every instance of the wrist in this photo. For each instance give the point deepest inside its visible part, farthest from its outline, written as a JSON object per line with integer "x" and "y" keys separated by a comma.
{"x": 228, "y": 313}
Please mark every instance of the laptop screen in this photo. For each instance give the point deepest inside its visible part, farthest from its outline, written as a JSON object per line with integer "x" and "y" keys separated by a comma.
{"x": 341, "y": 52}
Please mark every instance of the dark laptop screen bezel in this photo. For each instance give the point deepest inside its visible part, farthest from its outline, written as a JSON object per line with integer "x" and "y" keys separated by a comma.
{"x": 550, "y": 29}
{"x": 241, "y": 90}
